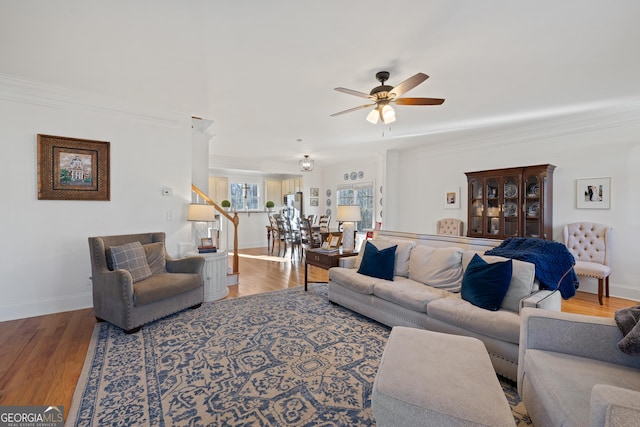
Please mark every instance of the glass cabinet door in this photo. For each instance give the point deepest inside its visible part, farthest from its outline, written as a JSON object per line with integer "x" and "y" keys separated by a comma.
{"x": 510, "y": 211}
{"x": 476, "y": 207}
{"x": 493, "y": 206}
{"x": 531, "y": 208}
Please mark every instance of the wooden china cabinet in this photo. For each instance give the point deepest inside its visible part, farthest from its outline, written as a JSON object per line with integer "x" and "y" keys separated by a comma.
{"x": 512, "y": 202}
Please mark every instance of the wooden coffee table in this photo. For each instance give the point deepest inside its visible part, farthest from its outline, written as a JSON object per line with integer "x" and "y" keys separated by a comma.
{"x": 324, "y": 260}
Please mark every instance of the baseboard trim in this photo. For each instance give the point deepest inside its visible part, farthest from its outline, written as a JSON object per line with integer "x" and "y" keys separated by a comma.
{"x": 14, "y": 310}
{"x": 615, "y": 290}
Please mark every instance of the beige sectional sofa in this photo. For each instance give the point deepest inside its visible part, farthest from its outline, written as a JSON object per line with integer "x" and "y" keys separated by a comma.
{"x": 425, "y": 292}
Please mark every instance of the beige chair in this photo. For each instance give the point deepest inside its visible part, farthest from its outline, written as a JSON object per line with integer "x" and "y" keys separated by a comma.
{"x": 590, "y": 245}
{"x": 450, "y": 227}
{"x": 150, "y": 285}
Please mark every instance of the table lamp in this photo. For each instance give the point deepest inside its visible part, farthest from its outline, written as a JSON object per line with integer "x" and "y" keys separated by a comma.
{"x": 202, "y": 215}
{"x": 347, "y": 215}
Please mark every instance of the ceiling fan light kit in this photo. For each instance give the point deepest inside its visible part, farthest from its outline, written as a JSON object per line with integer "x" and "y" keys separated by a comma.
{"x": 373, "y": 116}
{"x": 383, "y": 95}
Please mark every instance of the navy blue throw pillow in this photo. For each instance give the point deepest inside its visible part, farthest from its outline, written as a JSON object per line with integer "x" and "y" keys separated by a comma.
{"x": 485, "y": 285}
{"x": 378, "y": 263}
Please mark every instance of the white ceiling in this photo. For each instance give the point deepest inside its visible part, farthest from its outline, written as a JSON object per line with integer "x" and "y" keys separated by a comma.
{"x": 274, "y": 65}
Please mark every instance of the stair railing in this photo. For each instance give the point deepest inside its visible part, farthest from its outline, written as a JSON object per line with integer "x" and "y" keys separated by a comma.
{"x": 233, "y": 219}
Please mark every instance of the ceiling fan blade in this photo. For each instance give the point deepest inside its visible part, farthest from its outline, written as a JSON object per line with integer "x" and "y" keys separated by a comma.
{"x": 418, "y": 101}
{"x": 408, "y": 84}
{"x": 353, "y": 92}
{"x": 352, "y": 109}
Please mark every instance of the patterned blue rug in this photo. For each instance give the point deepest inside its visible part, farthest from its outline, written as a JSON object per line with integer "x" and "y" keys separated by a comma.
{"x": 285, "y": 358}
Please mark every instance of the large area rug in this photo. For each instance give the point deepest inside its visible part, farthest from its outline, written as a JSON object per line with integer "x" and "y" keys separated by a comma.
{"x": 286, "y": 358}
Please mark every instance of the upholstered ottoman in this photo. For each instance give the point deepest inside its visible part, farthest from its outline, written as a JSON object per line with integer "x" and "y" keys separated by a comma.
{"x": 433, "y": 379}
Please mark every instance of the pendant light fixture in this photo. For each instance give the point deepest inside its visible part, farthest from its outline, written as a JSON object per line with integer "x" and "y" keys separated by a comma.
{"x": 306, "y": 164}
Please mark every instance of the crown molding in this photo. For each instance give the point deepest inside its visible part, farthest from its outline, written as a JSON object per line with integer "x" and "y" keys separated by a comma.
{"x": 26, "y": 91}
{"x": 496, "y": 132}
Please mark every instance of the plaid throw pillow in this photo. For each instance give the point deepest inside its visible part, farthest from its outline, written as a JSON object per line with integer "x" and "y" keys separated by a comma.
{"x": 131, "y": 257}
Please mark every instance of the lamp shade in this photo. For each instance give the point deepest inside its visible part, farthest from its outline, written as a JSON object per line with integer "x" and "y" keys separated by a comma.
{"x": 201, "y": 213}
{"x": 388, "y": 115}
{"x": 348, "y": 213}
{"x": 373, "y": 116}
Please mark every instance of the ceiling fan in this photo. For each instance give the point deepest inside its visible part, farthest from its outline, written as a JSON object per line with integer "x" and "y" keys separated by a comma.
{"x": 384, "y": 95}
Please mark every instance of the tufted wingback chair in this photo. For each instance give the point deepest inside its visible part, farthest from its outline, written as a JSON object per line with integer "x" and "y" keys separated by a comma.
{"x": 450, "y": 226}
{"x": 590, "y": 245}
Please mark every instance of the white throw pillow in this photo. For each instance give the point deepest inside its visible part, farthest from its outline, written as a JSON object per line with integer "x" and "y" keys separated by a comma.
{"x": 403, "y": 252}
{"x": 437, "y": 267}
{"x": 522, "y": 279}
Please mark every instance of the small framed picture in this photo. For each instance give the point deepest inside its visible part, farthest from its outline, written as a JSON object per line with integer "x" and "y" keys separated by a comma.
{"x": 452, "y": 198}
{"x": 314, "y": 192}
{"x": 334, "y": 241}
{"x": 206, "y": 242}
{"x": 314, "y": 201}
{"x": 593, "y": 193}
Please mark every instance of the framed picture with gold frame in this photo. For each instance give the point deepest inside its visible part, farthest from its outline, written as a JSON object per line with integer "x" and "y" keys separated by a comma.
{"x": 72, "y": 169}
{"x": 334, "y": 241}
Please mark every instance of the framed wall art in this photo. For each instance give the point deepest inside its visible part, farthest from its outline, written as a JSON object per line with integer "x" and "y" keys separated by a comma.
{"x": 313, "y": 201}
{"x": 72, "y": 169}
{"x": 593, "y": 193}
{"x": 314, "y": 192}
{"x": 334, "y": 241}
{"x": 451, "y": 198}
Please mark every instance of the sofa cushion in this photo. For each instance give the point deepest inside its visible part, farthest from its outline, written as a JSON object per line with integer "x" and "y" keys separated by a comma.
{"x": 350, "y": 279}
{"x": 378, "y": 262}
{"x": 155, "y": 257}
{"x": 563, "y": 383}
{"x": 503, "y": 325}
{"x": 408, "y": 293}
{"x": 485, "y": 285}
{"x": 163, "y": 286}
{"x": 131, "y": 257}
{"x": 403, "y": 252}
{"x": 437, "y": 267}
{"x": 522, "y": 283}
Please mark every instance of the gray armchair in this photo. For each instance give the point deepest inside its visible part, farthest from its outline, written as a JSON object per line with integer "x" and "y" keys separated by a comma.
{"x": 571, "y": 372}
{"x": 128, "y": 301}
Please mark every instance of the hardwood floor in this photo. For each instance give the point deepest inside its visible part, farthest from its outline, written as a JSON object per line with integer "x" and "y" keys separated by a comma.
{"x": 41, "y": 357}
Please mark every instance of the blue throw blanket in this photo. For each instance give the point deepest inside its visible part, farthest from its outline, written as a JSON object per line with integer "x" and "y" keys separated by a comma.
{"x": 554, "y": 263}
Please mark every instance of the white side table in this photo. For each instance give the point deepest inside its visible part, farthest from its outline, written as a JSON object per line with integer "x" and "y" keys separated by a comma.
{"x": 215, "y": 275}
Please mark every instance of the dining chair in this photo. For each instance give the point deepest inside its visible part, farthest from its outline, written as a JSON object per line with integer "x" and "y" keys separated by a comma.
{"x": 275, "y": 234}
{"x": 307, "y": 239}
{"x": 292, "y": 237}
{"x": 590, "y": 245}
{"x": 450, "y": 227}
{"x": 282, "y": 234}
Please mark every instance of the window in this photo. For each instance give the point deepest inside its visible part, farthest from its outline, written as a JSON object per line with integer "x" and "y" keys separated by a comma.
{"x": 362, "y": 195}
{"x": 244, "y": 196}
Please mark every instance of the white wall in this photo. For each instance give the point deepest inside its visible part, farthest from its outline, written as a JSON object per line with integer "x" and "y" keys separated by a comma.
{"x": 370, "y": 165}
{"x": 582, "y": 150}
{"x": 44, "y": 256}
